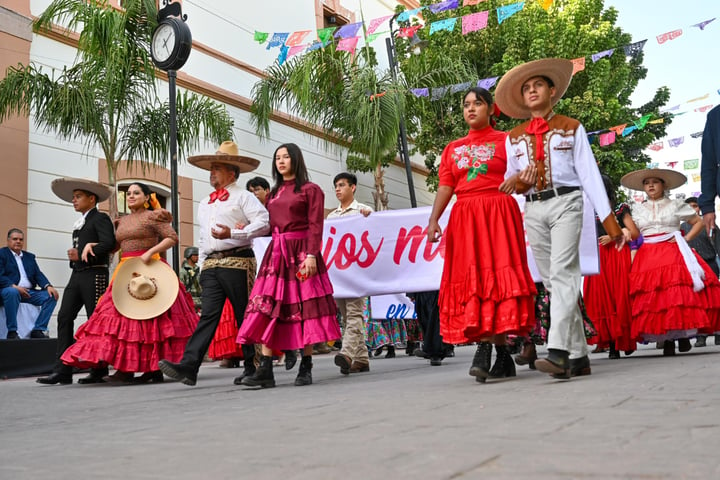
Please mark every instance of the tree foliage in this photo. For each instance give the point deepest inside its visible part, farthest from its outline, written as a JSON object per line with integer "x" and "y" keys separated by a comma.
{"x": 599, "y": 96}
{"x": 108, "y": 97}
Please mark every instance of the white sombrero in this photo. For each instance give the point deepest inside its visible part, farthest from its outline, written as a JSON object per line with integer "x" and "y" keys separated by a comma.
{"x": 508, "y": 93}
{"x": 64, "y": 188}
{"x": 670, "y": 178}
{"x": 141, "y": 291}
{"x": 227, "y": 153}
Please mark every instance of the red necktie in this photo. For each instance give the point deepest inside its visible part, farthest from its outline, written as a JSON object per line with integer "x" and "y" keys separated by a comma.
{"x": 220, "y": 195}
{"x": 539, "y": 126}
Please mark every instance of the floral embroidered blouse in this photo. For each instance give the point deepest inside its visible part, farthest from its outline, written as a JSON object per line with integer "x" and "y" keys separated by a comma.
{"x": 142, "y": 231}
{"x": 653, "y": 217}
{"x": 475, "y": 163}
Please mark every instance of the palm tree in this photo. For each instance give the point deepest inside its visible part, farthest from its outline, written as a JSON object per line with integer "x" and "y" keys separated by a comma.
{"x": 108, "y": 97}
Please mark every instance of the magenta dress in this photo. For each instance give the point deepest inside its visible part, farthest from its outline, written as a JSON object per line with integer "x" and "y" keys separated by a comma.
{"x": 283, "y": 312}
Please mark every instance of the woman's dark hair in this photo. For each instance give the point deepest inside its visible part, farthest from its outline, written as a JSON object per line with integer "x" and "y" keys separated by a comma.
{"x": 145, "y": 189}
{"x": 297, "y": 166}
{"x": 486, "y": 97}
{"x": 610, "y": 190}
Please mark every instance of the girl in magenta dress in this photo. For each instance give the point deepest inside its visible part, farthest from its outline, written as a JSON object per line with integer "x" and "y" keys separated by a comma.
{"x": 130, "y": 345}
{"x": 486, "y": 291}
{"x": 291, "y": 305}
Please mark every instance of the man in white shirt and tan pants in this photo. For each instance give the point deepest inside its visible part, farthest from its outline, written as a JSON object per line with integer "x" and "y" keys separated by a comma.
{"x": 551, "y": 162}
{"x": 353, "y": 357}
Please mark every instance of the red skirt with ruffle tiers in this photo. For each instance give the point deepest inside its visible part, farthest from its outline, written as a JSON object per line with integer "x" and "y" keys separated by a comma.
{"x": 607, "y": 299}
{"x": 664, "y": 305}
{"x": 285, "y": 313}
{"x": 486, "y": 286}
{"x": 109, "y": 338}
{"x": 224, "y": 343}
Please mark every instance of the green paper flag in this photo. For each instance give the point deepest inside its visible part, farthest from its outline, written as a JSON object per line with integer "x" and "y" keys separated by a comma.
{"x": 325, "y": 34}
{"x": 260, "y": 37}
{"x": 642, "y": 121}
{"x": 372, "y": 37}
{"x": 690, "y": 164}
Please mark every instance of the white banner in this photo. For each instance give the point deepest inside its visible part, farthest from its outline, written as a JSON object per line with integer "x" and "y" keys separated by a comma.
{"x": 388, "y": 252}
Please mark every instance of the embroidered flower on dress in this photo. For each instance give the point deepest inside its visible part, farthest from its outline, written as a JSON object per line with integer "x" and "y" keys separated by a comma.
{"x": 473, "y": 158}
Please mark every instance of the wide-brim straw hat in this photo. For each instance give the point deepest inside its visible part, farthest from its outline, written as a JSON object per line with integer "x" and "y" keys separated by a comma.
{"x": 227, "y": 153}
{"x": 143, "y": 291}
{"x": 64, "y": 188}
{"x": 671, "y": 179}
{"x": 508, "y": 93}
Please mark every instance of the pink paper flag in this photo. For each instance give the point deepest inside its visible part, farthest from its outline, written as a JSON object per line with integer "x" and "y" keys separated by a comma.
{"x": 671, "y": 164}
{"x": 376, "y": 22}
{"x": 656, "y": 147}
{"x": 475, "y": 21}
{"x": 578, "y": 65}
{"x": 666, "y": 37}
{"x": 296, "y": 38}
{"x": 471, "y": 2}
{"x": 704, "y": 109}
{"x": 295, "y": 49}
{"x": 606, "y": 139}
{"x": 347, "y": 44}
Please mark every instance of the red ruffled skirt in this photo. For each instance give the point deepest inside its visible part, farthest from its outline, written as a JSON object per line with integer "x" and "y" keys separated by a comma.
{"x": 664, "y": 305}
{"x": 607, "y": 299}
{"x": 224, "y": 343}
{"x": 109, "y": 338}
{"x": 486, "y": 286}
{"x": 283, "y": 312}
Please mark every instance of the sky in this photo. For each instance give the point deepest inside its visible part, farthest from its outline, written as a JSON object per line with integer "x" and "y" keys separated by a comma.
{"x": 687, "y": 65}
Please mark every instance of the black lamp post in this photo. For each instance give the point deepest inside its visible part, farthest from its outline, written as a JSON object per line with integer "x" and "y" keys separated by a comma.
{"x": 402, "y": 137}
{"x": 170, "y": 48}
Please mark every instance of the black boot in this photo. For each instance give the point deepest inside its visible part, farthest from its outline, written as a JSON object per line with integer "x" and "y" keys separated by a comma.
{"x": 304, "y": 376}
{"x": 263, "y": 376}
{"x": 480, "y": 368}
{"x": 504, "y": 365}
{"x": 390, "y": 351}
{"x": 614, "y": 354}
{"x": 249, "y": 368}
{"x": 290, "y": 359}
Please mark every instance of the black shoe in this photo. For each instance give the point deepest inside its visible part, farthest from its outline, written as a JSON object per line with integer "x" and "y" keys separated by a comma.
{"x": 557, "y": 364}
{"x": 304, "y": 376}
{"x": 613, "y": 354}
{"x": 579, "y": 367}
{"x": 668, "y": 348}
{"x": 391, "y": 352}
{"x": 411, "y": 346}
{"x": 480, "y": 367}
{"x": 448, "y": 350}
{"x": 290, "y": 359}
{"x": 684, "y": 345}
{"x": 435, "y": 361}
{"x": 177, "y": 371}
{"x": 701, "y": 341}
{"x": 55, "y": 378}
{"x": 263, "y": 376}
{"x": 13, "y": 335}
{"x": 504, "y": 365}
{"x": 419, "y": 352}
{"x": 378, "y": 352}
{"x": 717, "y": 339}
{"x": 38, "y": 334}
{"x": 96, "y": 376}
{"x": 155, "y": 376}
{"x": 527, "y": 356}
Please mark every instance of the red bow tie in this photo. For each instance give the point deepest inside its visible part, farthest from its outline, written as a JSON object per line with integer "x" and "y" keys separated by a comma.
{"x": 221, "y": 195}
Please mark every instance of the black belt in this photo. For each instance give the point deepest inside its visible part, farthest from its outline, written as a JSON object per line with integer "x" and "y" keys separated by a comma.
{"x": 85, "y": 269}
{"x": 548, "y": 194}
{"x": 232, "y": 252}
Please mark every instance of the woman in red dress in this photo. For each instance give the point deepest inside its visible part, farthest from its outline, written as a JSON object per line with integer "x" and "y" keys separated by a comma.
{"x": 486, "y": 291}
{"x": 291, "y": 305}
{"x": 130, "y": 344}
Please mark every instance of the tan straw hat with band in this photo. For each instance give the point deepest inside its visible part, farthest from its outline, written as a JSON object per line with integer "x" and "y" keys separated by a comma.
{"x": 227, "y": 153}
{"x": 141, "y": 291}
{"x": 670, "y": 178}
{"x": 508, "y": 93}
{"x": 64, "y": 188}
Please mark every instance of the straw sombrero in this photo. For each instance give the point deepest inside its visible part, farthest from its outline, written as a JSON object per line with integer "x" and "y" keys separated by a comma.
{"x": 670, "y": 178}
{"x": 226, "y": 153}
{"x": 141, "y": 291}
{"x": 508, "y": 94}
{"x": 64, "y": 188}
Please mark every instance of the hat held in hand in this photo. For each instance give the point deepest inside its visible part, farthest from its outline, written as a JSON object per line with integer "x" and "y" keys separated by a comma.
{"x": 141, "y": 291}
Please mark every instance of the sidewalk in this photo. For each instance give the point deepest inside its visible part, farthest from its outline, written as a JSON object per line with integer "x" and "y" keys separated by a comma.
{"x": 640, "y": 417}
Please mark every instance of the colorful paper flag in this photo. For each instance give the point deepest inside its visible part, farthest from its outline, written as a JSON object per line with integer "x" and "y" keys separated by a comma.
{"x": 628, "y": 130}
{"x": 642, "y": 121}
{"x": 438, "y": 92}
{"x": 656, "y": 121}
{"x": 691, "y": 164}
{"x": 696, "y": 135}
{"x": 606, "y": 139}
{"x": 460, "y": 87}
{"x": 545, "y": 4}
{"x": 317, "y": 45}
{"x": 277, "y": 40}
{"x": 633, "y": 49}
{"x": 375, "y": 23}
{"x": 442, "y": 6}
{"x": 283, "y": 54}
{"x": 618, "y": 128}
{"x": 408, "y": 32}
{"x": 474, "y": 21}
{"x": 420, "y": 92}
{"x": 325, "y": 34}
{"x": 471, "y": 2}
{"x": 704, "y": 24}
{"x": 447, "y": 24}
{"x": 676, "y": 142}
{"x": 487, "y": 83}
{"x": 260, "y": 37}
{"x": 703, "y": 109}
{"x": 696, "y": 99}
{"x": 578, "y": 65}
{"x": 405, "y": 16}
{"x": 696, "y": 177}
{"x": 597, "y": 56}
{"x": 653, "y": 165}
{"x": 667, "y": 36}
{"x": 372, "y": 37}
{"x": 656, "y": 147}
{"x": 295, "y": 49}
{"x": 296, "y": 38}
{"x": 508, "y": 11}
{"x": 671, "y": 164}
{"x": 348, "y": 31}
{"x": 347, "y": 44}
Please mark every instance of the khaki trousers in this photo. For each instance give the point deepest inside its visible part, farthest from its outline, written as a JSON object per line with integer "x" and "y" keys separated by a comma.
{"x": 553, "y": 230}
{"x": 353, "y": 342}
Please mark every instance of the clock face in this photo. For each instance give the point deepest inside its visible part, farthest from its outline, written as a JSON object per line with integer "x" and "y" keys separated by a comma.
{"x": 163, "y": 42}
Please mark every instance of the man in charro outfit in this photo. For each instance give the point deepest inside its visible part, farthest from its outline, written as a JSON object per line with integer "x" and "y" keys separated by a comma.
{"x": 227, "y": 262}
{"x": 550, "y": 160}
{"x": 93, "y": 239}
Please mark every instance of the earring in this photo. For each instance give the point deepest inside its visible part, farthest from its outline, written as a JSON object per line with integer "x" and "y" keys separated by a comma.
{"x": 146, "y": 205}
